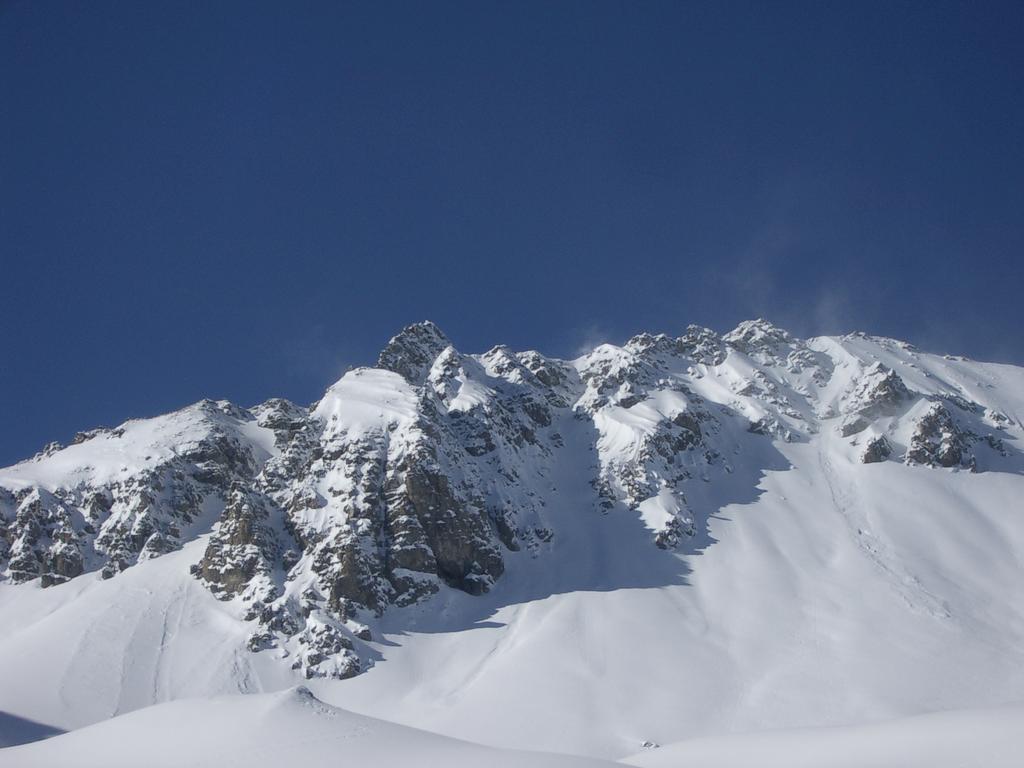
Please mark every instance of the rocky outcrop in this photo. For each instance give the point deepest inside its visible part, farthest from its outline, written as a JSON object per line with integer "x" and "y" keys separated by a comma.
{"x": 412, "y": 352}
{"x": 41, "y": 539}
{"x": 938, "y": 441}
{"x": 877, "y": 449}
{"x": 880, "y": 391}
{"x": 244, "y": 549}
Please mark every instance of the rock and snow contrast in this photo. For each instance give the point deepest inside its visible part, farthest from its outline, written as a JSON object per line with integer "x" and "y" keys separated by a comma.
{"x": 679, "y": 537}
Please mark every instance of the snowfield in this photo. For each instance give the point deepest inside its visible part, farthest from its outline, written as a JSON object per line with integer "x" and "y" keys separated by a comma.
{"x": 750, "y": 549}
{"x": 987, "y": 738}
{"x": 267, "y": 730}
{"x": 293, "y": 727}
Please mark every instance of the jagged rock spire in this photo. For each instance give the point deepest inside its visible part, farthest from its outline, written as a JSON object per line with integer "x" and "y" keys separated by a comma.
{"x": 413, "y": 350}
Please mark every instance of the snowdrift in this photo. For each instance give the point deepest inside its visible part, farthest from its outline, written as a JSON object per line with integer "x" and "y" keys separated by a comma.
{"x": 263, "y": 731}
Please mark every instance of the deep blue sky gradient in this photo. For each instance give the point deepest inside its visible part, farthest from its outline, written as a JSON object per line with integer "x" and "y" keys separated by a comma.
{"x": 239, "y": 199}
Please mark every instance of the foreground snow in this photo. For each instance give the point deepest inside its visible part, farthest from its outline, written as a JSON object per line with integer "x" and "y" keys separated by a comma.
{"x": 270, "y": 730}
{"x": 907, "y": 597}
{"x": 293, "y": 727}
{"x": 992, "y": 738}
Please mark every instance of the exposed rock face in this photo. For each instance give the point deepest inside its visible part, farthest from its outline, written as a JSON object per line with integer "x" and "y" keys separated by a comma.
{"x": 876, "y": 450}
{"x": 411, "y": 353}
{"x": 42, "y": 542}
{"x": 243, "y": 548}
{"x": 132, "y": 512}
{"x": 880, "y": 391}
{"x": 938, "y": 441}
{"x": 853, "y": 425}
{"x": 430, "y": 471}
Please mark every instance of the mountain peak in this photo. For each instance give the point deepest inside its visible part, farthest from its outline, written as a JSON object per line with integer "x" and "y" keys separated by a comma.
{"x": 412, "y": 351}
{"x": 757, "y": 334}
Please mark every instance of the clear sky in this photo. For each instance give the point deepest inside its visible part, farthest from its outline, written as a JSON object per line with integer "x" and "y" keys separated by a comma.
{"x": 239, "y": 199}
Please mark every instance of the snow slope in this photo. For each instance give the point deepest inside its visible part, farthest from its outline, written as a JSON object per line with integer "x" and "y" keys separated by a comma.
{"x": 992, "y": 738}
{"x": 832, "y": 598}
{"x": 91, "y": 649}
{"x": 693, "y": 547}
{"x": 269, "y": 730}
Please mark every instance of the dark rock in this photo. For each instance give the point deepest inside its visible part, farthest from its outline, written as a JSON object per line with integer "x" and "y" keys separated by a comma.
{"x": 412, "y": 352}
{"x": 876, "y": 450}
{"x": 242, "y": 545}
{"x": 938, "y": 441}
{"x": 853, "y": 426}
{"x": 688, "y": 422}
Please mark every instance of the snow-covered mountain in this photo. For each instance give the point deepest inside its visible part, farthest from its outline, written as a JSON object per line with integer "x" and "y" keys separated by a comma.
{"x": 679, "y": 536}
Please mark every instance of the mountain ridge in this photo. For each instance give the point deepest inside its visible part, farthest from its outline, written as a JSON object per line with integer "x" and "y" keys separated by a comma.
{"x": 434, "y": 470}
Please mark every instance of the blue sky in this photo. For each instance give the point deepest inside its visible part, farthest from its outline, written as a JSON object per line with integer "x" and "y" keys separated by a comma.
{"x": 239, "y": 200}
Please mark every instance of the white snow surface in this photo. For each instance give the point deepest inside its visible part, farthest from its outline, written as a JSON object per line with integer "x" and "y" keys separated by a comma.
{"x": 293, "y": 727}
{"x": 272, "y": 730}
{"x": 823, "y": 597}
{"x": 367, "y": 399}
{"x": 983, "y": 738}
